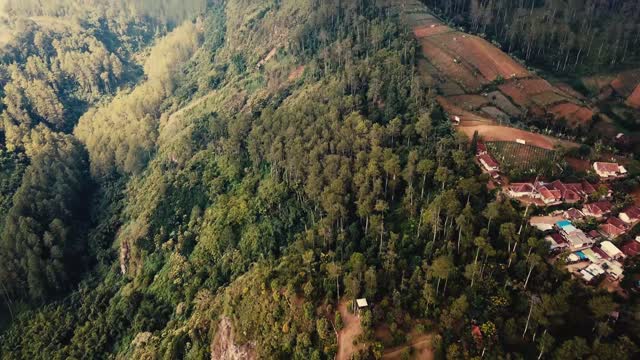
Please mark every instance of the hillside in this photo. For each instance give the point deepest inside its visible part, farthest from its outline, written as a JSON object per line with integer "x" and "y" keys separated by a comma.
{"x": 249, "y": 173}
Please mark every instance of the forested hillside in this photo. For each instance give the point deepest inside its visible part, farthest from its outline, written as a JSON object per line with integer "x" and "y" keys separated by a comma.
{"x": 564, "y": 35}
{"x": 243, "y": 179}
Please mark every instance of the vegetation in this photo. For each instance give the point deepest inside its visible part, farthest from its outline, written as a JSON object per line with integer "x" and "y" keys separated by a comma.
{"x": 520, "y": 160}
{"x": 220, "y": 191}
{"x": 564, "y": 35}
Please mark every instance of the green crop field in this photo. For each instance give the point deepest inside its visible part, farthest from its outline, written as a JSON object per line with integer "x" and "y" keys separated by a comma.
{"x": 520, "y": 161}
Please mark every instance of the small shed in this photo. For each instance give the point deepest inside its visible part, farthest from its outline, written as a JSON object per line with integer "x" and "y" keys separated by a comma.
{"x": 361, "y": 304}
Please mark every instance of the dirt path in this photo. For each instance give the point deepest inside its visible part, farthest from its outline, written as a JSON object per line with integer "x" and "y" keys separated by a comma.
{"x": 348, "y": 334}
{"x": 421, "y": 349}
{"x": 191, "y": 105}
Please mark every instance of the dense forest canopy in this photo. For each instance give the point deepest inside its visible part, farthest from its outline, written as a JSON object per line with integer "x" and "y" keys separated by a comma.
{"x": 251, "y": 171}
{"x": 563, "y": 34}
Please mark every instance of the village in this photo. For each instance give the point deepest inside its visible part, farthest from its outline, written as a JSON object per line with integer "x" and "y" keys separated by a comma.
{"x": 581, "y": 222}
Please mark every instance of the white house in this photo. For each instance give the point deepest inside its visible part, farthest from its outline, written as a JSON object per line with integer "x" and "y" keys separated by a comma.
{"x": 609, "y": 170}
{"x": 611, "y": 250}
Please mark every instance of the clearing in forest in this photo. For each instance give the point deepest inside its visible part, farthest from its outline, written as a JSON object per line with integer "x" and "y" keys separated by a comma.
{"x": 349, "y": 333}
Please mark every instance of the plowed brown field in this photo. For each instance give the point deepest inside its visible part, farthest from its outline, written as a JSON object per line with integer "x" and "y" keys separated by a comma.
{"x": 451, "y": 67}
{"x": 469, "y": 102}
{"x": 634, "y": 99}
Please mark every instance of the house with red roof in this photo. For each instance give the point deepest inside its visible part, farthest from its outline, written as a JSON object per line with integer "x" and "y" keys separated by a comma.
{"x": 607, "y": 170}
{"x": 597, "y": 209}
{"x": 610, "y": 231}
{"x": 518, "y": 190}
{"x": 632, "y": 248}
{"x": 488, "y": 163}
{"x": 615, "y": 221}
{"x": 550, "y": 197}
{"x": 573, "y": 214}
{"x": 630, "y": 215}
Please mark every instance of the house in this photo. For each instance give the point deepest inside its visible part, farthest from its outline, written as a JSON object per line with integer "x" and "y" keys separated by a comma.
{"x": 597, "y": 209}
{"x": 544, "y": 223}
{"x": 594, "y": 234}
{"x": 576, "y": 238}
{"x": 556, "y": 242}
{"x": 610, "y": 231}
{"x": 613, "y": 269}
{"x": 488, "y": 163}
{"x": 573, "y": 214}
{"x": 552, "y": 193}
{"x": 591, "y": 272}
{"x": 630, "y": 215}
{"x": 615, "y": 221}
{"x": 608, "y": 170}
{"x": 550, "y": 197}
{"x": 632, "y": 248}
{"x": 518, "y": 190}
{"x": 611, "y": 250}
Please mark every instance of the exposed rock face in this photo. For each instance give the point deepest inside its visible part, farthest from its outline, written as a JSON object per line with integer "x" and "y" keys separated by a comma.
{"x": 223, "y": 346}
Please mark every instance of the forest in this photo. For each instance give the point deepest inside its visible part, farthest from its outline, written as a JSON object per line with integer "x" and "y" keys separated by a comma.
{"x": 564, "y": 36}
{"x": 175, "y": 170}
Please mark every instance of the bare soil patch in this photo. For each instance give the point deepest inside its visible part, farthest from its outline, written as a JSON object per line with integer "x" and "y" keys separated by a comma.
{"x": 626, "y": 82}
{"x": 579, "y": 164}
{"x": 575, "y": 115}
{"x": 469, "y": 102}
{"x": 430, "y": 30}
{"x": 452, "y": 65}
{"x": 634, "y": 99}
{"x": 466, "y": 117}
{"x": 348, "y": 334}
{"x": 505, "y": 133}
{"x": 296, "y": 73}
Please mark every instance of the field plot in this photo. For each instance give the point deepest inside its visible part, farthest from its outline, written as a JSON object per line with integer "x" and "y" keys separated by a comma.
{"x": 450, "y": 66}
{"x": 498, "y": 99}
{"x": 467, "y": 118}
{"x": 548, "y": 98}
{"x": 575, "y": 115}
{"x": 505, "y": 133}
{"x": 626, "y": 82}
{"x": 487, "y": 59}
{"x": 430, "y": 30}
{"x": 513, "y": 156}
{"x": 634, "y": 100}
{"x": 469, "y": 102}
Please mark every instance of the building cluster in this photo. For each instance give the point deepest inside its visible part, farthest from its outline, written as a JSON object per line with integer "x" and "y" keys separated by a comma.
{"x": 553, "y": 193}
{"x": 594, "y": 248}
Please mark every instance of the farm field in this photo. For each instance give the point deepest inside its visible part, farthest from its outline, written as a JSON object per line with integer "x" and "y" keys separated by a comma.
{"x": 505, "y": 133}
{"x": 484, "y": 85}
{"x": 524, "y": 159}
